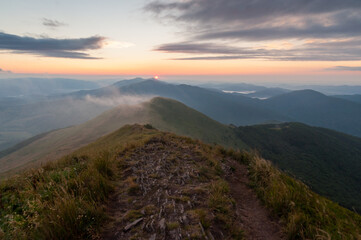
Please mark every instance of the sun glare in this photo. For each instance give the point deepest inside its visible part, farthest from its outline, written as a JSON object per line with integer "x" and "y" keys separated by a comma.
{"x": 156, "y": 77}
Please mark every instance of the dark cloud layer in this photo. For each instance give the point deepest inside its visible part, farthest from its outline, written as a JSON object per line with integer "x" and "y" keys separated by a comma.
{"x": 200, "y": 48}
{"x": 251, "y": 11}
{"x": 319, "y": 31}
{"x": 306, "y": 52}
{"x": 251, "y": 21}
{"x": 52, "y": 23}
{"x": 51, "y": 47}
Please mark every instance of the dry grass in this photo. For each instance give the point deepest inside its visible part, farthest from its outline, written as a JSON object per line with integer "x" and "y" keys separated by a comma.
{"x": 64, "y": 199}
{"x": 305, "y": 214}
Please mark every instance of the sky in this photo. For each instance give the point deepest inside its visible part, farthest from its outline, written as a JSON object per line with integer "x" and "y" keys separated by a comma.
{"x": 303, "y": 41}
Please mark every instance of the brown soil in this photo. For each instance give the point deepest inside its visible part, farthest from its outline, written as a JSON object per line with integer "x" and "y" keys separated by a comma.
{"x": 255, "y": 218}
{"x": 163, "y": 188}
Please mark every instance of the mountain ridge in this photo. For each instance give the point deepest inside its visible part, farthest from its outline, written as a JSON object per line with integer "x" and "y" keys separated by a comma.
{"x": 70, "y": 194}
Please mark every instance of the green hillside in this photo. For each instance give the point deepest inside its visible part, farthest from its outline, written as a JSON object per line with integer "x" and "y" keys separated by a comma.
{"x": 170, "y": 115}
{"x": 327, "y": 161}
{"x": 104, "y": 189}
{"x": 316, "y": 109}
{"x": 164, "y": 114}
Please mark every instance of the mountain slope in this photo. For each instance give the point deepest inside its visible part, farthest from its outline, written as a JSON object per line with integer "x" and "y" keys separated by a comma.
{"x": 222, "y": 107}
{"x": 306, "y": 106}
{"x": 267, "y": 93}
{"x": 354, "y": 98}
{"x": 170, "y": 115}
{"x": 164, "y": 114}
{"x": 21, "y": 121}
{"x": 316, "y": 109}
{"x": 160, "y": 186}
{"x": 327, "y": 161}
{"x": 26, "y": 116}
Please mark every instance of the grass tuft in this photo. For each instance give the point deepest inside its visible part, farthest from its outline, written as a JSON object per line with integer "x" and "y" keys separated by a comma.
{"x": 306, "y": 214}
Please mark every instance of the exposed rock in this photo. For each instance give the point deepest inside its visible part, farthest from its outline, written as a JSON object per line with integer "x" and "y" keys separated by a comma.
{"x": 162, "y": 224}
{"x": 129, "y": 226}
{"x": 153, "y": 237}
{"x": 203, "y": 232}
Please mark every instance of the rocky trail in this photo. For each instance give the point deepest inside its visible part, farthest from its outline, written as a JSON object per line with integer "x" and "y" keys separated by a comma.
{"x": 169, "y": 189}
{"x": 255, "y": 218}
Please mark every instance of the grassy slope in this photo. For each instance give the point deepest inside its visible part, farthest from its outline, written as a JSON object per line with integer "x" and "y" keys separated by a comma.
{"x": 328, "y": 161}
{"x": 170, "y": 115}
{"x": 64, "y": 198}
{"x": 164, "y": 114}
{"x": 306, "y": 215}
{"x": 63, "y": 141}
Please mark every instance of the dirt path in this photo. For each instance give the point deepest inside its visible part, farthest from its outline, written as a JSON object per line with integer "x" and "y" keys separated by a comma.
{"x": 159, "y": 190}
{"x": 255, "y": 218}
{"x": 165, "y": 190}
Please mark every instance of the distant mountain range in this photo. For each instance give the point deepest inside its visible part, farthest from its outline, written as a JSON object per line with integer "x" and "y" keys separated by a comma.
{"x": 20, "y": 120}
{"x": 267, "y": 93}
{"x": 317, "y": 109}
{"x": 27, "y": 87}
{"x": 331, "y": 90}
{"x": 325, "y": 89}
{"x": 354, "y": 98}
{"x": 223, "y": 107}
{"x": 306, "y": 106}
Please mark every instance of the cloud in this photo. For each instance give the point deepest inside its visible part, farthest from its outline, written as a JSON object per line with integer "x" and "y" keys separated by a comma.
{"x": 251, "y": 11}
{"x": 51, "y": 47}
{"x": 118, "y": 100}
{"x": 246, "y": 23}
{"x": 189, "y": 47}
{"x": 344, "y": 68}
{"x": 317, "y": 31}
{"x": 307, "y": 52}
{"x": 52, "y": 23}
